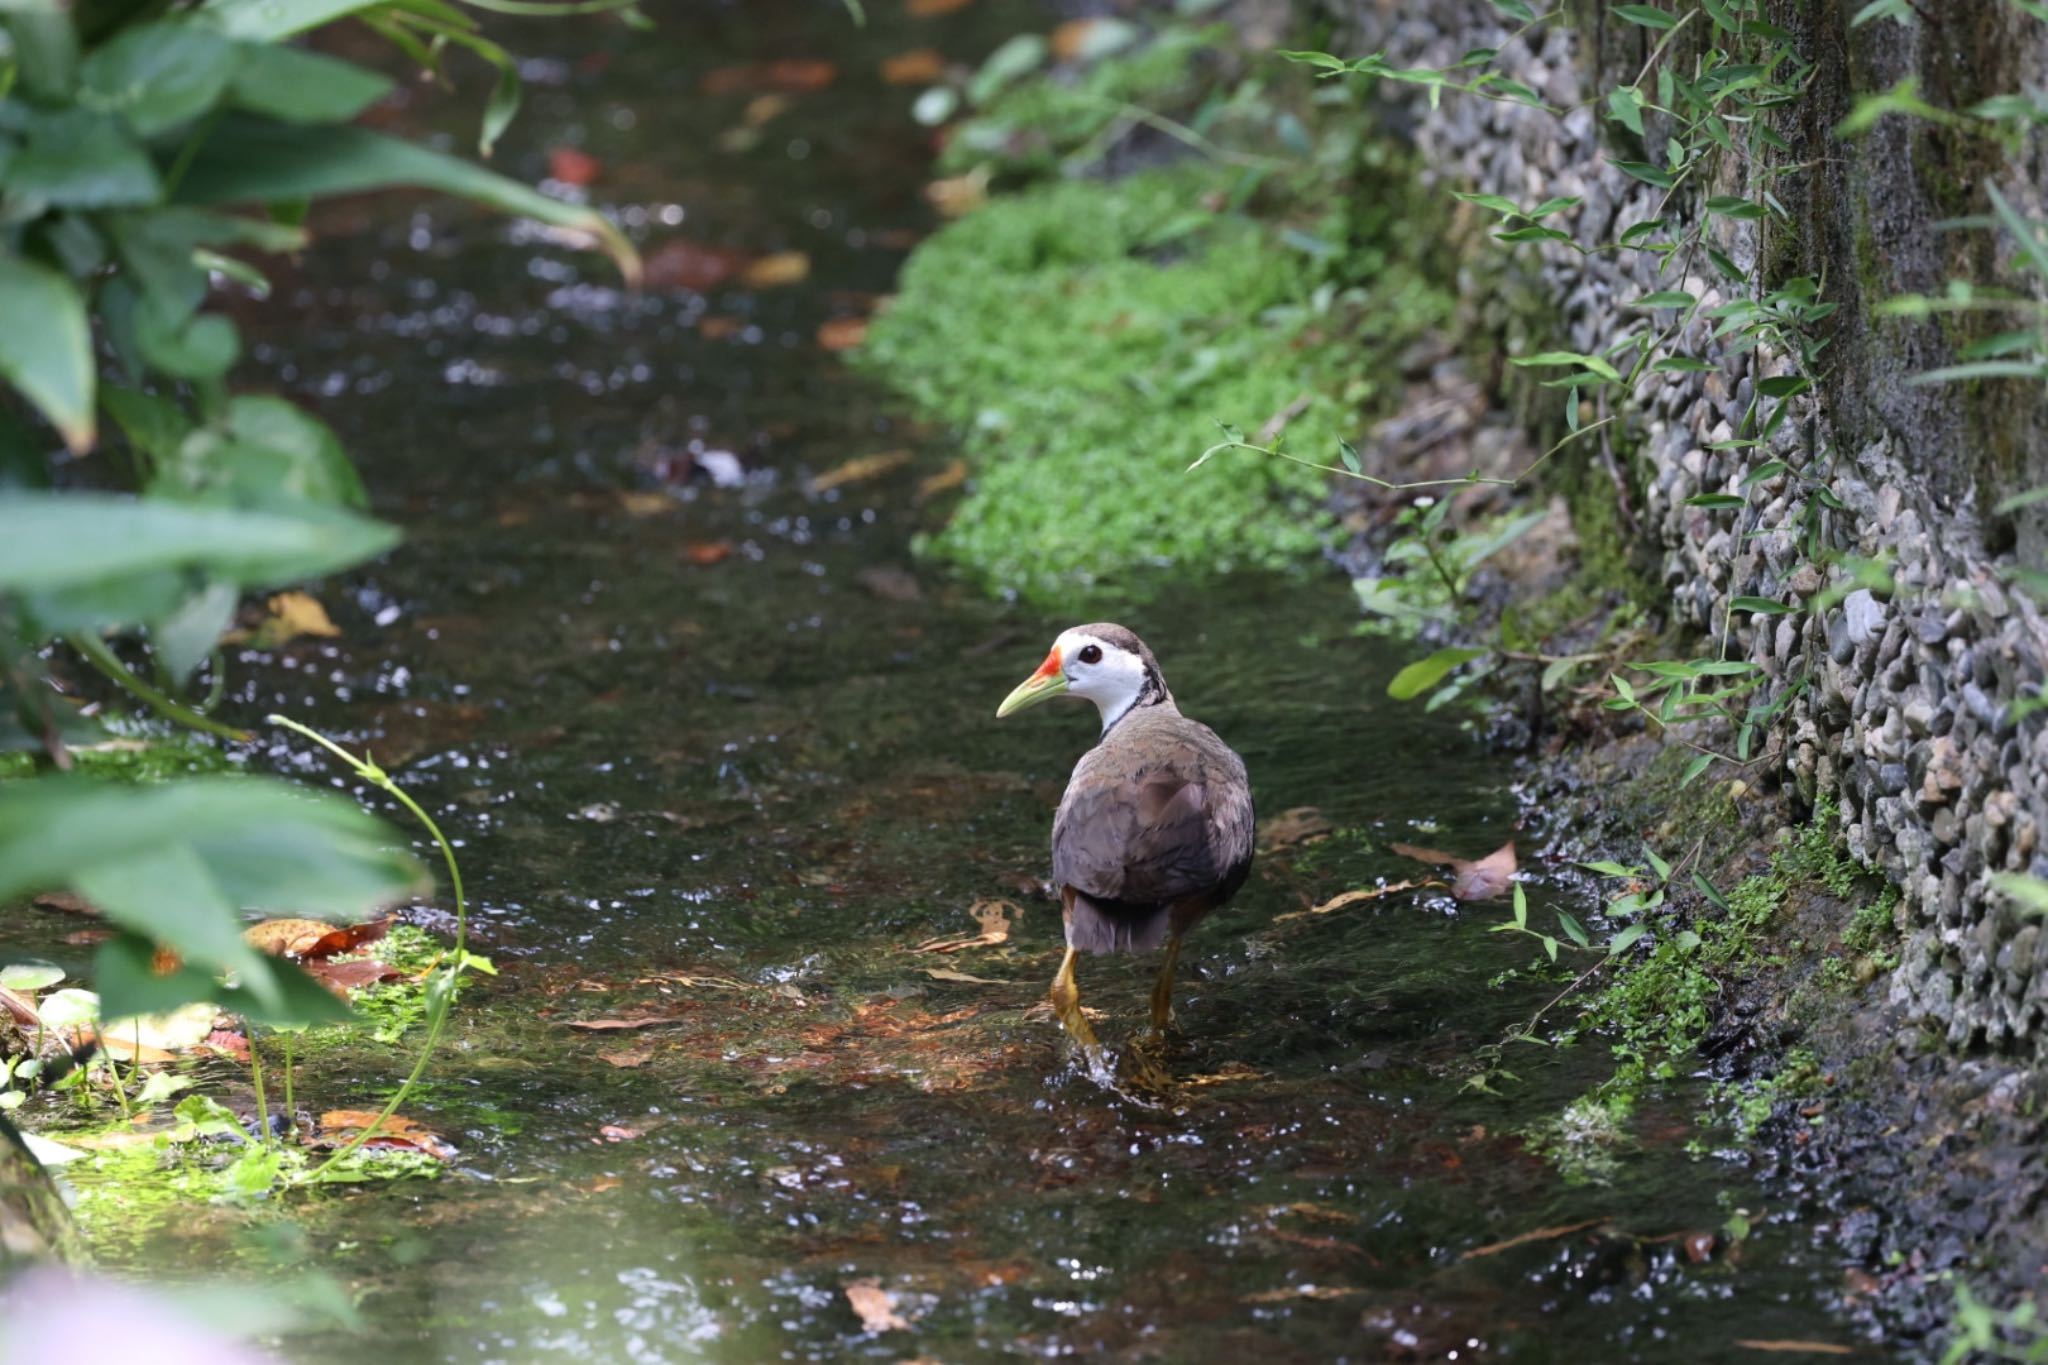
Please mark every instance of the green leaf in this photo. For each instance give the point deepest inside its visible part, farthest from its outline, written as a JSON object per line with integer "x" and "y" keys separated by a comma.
{"x": 1550, "y": 947}
{"x": 1349, "y": 454}
{"x": 2019, "y": 500}
{"x": 1718, "y": 501}
{"x": 1609, "y": 869}
{"x": 76, "y": 158}
{"x": 30, "y": 976}
{"x": 1574, "y": 930}
{"x": 1622, "y": 941}
{"x": 63, "y": 540}
{"x": 157, "y": 76}
{"x": 1626, "y": 109}
{"x": 266, "y": 21}
{"x": 1645, "y": 16}
{"x": 1662, "y": 868}
{"x": 1712, "y": 893}
{"x": 1762, "y": 606}
{"x": 50, "y": 363}
{"x": 1590, "y": 362}
{"x": 1667, "y": 298}
{"x": 1016, "y": 58}
{"x": 1521, "y": 908}
{"x": 1734, "y": 206}
{"x": 1784, "y": 385}
{"x": 184, "y": 638}
{"x": 1489, "y": 201}
{"x": 1682, "y": 364}
{"x": 246, "y": 161}
{"x": 1646, "y": 172}
{"x": 266, "y": 452}
{"x": 1557, "y": 205}
{"x": 1532, "y": 233}
{"x": 1423, "y": 674}
{"x": 1982, "y": 369}
{"x": 298, "y": 86}
{"x": 1699, "y": 764}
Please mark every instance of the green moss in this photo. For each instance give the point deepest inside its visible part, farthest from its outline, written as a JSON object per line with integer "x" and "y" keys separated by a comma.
{"x": 1086, "y": 338}
{"x": 138, "y": 752}
{"x": 1030, "y": 128}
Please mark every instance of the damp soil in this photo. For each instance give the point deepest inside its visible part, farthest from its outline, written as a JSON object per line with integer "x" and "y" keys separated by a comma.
{"x": 723, "y": 753}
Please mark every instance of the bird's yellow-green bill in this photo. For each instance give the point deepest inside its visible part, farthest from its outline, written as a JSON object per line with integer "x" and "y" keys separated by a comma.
{"x": 1048, "y": 681}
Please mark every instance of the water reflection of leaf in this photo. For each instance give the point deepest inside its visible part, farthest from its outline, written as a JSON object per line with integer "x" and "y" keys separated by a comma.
{"x": 1473, "y": 879}
{"x": 778, "y": 268}
{"x": 919, "y": 66}
{"x": 996, "y": 918}
{"x": 860, "y": 468}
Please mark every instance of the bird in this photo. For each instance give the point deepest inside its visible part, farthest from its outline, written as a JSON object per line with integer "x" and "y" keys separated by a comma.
{"x": 1156, "y": 827}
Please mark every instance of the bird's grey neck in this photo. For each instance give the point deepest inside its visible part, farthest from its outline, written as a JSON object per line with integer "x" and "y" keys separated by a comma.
{"x": 1152, "y": 692}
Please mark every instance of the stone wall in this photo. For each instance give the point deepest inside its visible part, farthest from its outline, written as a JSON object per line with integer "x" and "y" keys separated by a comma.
{"x": 1908, "y": 711}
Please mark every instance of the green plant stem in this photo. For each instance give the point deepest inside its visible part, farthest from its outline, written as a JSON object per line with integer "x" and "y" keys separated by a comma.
{"x": 256, "y": 1079}
{"x": 1469, "y": 481}
{"x": 438, "y": 1001}
{"x": 95, "y": 652}
{"x": 291, "y": 1112}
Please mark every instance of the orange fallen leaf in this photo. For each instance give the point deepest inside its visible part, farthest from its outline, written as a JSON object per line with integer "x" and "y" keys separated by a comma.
{"x": 713, "y": 328}
{"x": 572, "y": 165}
{"x": 919, "y": 66}
{"x": 705, "y": 553}
{"x": 343, "y": 977}
{"x": 640, "y": 504}
{"x": 947, "y": 974}
{"x": 227, "y": 1043}
{"x": 794, "y": 75}
{"x": 681, "y": 264}
{"x": 1353, "y": 898}
{"x": 1533, "y": 1235}
{"x": 763, "y": 109}
{"x": 292, "y": 614}
{"x": 842, "y": 334}
{"x": 612, "y": 1025}
{"x": 860, "y": 469}
{"x": 1302, "y": 1291}
{"x": 960, "y": 195}
{"x": 287, "y": 937}
{"x": 872, "y": 1303}
{"x": 783, "y": 267}
{"x": 618, "y": 1132}
{"x": 629, "y": 1058}
{"x": 1820, "y": 1348}
{"x": 339, "y": 1126}
{"x": 944, "y": 480}
{"x": 1473, "y": 879}
{"x": 126, "y": 1049}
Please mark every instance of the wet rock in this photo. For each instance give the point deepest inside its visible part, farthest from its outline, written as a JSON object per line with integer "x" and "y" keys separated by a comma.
{"x": 1862, "y": 615}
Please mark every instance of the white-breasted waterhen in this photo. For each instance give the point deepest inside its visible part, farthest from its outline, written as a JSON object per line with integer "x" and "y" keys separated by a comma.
{"x": 1156, "y": 826}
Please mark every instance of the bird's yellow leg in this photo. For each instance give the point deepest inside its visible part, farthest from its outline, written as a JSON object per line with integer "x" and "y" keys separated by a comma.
{"x": 1066, "y": 1003}
{"x": 1162, "y": 989}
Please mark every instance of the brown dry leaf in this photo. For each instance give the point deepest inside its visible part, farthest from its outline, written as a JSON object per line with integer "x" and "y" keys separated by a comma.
{"x": 995, "y": 918}
{"x": 680, "y": 264}
{"x": 292, "y": 614}
{"x": 619, "y": 1132}
{"x": 572, "y": 165}
{"x": 1295, "y": 825}
{"x": 639, "y": 504}
{"x": 628, "y": 1058}
{"x": 1819, "y": 1348}
{"x": 1226, "y": 1074}
{"x": 944, "y": 481}
{"x": 1302, "y": 1291}
{"x": 288, "y": 937}
{"x": 1078, "y": 38}
{"x": 613, "y": 1025}
{"x": 763, "y": 109}
{"x": 1353, "y": 898}
{"x": 713, "y": 328}
{"x": 227, "y": 1043}
{"x": 18, "y": 1008}
{"x": 64, "y": 902}
{"x": 842, "y": 334}
{"x": 961, "y": 195}
{"x": 705, "y": 553}
{"x": 946, "y": 974}
{"x": 793, "y": 75}
{"x": 343, "y": 977}
{"x": 876, "y": 1309}
{"x": 338, "y": 1126}
{"x": 1533, "y": 1235}
{"x": 1473, "y": 879}
{"x": 783, "y": 267}
{"x": 860, "y": 469}
{"x": 919, "y": 66}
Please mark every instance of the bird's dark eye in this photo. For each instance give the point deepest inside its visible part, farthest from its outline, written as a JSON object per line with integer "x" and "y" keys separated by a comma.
{"x": 1091, "y": 654}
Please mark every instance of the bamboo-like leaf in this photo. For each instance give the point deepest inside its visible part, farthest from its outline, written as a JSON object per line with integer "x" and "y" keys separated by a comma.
{"x": 50, "y": 363}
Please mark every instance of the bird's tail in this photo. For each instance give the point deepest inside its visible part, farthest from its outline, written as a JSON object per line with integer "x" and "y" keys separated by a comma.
{"x": 1105, "y": 926}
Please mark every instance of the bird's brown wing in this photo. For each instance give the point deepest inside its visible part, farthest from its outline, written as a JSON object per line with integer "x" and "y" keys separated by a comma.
{"x": 1161, "y": 816}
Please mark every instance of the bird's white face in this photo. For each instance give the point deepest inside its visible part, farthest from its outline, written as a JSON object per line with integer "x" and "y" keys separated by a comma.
{"x": 1086, "y": 666}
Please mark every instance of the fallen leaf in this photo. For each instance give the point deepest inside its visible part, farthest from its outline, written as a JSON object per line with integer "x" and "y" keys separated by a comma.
{"x": 995, "y": 918}
{"x": 112, "y": 1141}
{"x": 842, "y": 334}
{"x": 343, "y": 977}
{"x": 1533, "y": 1235}
{"x": 628, "y": 1058}
{"x": 782, "y": 267}
{"x": 961, "y": 195}
{"x": 18, "y": 1008}
{"x": 613, "y": 1025}
{"x": 705, "y": 553}
{"x": 1226, "y": 1074}
{"x": 572, "y": 165}
{"x": 1819, "y": 1348}
{"x": 860, "y": 469}
{"x": 1295, "y": 825}
{"x": 287, "y": 937}
{"x": 127, "y": 1049}
{"x": 945, "y": 974}
{"x": 763, "y": 109}
{"x": 1087, "y": 39}
{"x": 1302, "y": 1291}
{"x": 292, "y": 614}
{"x": 618, "y": 1132}
{"x": 64, "y": 902}
{"x": 943, "y": 481}
{"x": 794, "y": 75}
{"x": 876, "y": 1309}
{"x": 680, "y": 264}
{"x": 174, "y": 1031}
{"x": 919, "y": 66}
{"x": 227, "y": 1043}
{"x": 639, "y": 504}
{"x": 1353, "y": 898}
{"x": 713, "y": 328}
{"x": 1473, "y": 879}
{"x": 82, "y": 938}
{"x": 890, "y": 583}
{"x": 338, "y": 1126}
